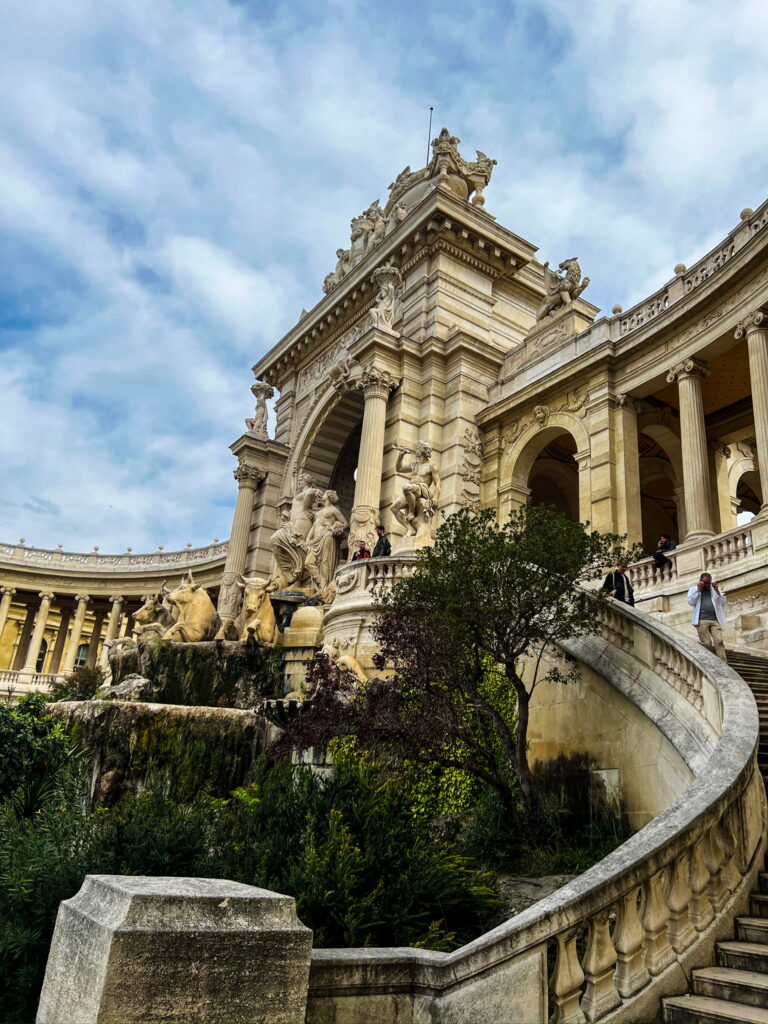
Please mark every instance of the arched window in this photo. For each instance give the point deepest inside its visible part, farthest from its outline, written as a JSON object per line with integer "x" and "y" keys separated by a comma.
{"x": 82, "y": 655}
{"x": 41, "y": 656}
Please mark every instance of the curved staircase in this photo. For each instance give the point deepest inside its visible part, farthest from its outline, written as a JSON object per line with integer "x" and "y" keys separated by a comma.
{"x": 736, "y": 989}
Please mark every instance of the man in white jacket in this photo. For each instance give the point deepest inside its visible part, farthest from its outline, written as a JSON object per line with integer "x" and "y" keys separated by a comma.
{"x": 708, "y": 605}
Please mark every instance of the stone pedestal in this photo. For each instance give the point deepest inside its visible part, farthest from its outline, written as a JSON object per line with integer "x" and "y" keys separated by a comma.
{"x": 192, "y": 950}
{"x": 301, "y": 642}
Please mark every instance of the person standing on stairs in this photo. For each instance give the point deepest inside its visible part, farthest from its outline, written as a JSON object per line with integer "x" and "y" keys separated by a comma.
{"x": 708, "y": 603}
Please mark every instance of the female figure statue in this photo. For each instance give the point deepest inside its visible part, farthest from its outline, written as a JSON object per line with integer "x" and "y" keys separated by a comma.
{"x": 289, "y": 540}
{"x": 324, "y": 541}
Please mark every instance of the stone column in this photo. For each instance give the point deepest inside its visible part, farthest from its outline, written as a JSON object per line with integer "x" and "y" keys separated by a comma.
{"x": 755, "y": 327}
{"x": 629, "y": 513}
{"x": 376, "y": 385}
{"x": 584, "y": 462}
{"x": 698, "y": 513}
{"x": 37, "y": 634}
{"x": 74, "y": 637}
{"x": 113, "y": 626}
{"x": 5, "y": 604}
{"x": 93, "y": 646}
{"x": 721, "y": 497}
{"x": 248, "y": 479}
{"x": 61, "y": 636}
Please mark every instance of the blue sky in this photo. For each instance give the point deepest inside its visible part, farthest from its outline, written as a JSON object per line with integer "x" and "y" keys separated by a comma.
{"x": 176, "y": 175}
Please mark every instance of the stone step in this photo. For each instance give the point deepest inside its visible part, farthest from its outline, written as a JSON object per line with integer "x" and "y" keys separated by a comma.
{"x": 743, "y": 956}
{"x": 752, "y": 929}
{"x": 758, "y": 905}
{"x": 747, "y": 987}
{"x": 702, "y": 1010}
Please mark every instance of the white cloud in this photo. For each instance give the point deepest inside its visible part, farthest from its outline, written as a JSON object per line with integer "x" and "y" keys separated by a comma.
{"x": 175, "y": 179}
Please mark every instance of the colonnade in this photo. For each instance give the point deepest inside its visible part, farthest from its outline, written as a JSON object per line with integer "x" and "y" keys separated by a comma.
{"x": 69, "y": 629}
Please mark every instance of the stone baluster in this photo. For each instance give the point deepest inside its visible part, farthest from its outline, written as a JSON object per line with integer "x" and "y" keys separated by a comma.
{"x": 74, "y": 637}
{"x": 5, "y": 605}
{"x": 567, "y": 979}
{"x": 729, "y": 873}
{"x": 698, "y": 513}
{"x": 755, "y": 327}
{"x": 700, "y": 911}
{"x": 37, "y": 634}
{"x": 713, "y": 859}
{"x": 600, "y": 995}
{"x": 631, "y": 972}
{"x": 248, "y": 479}
{"x": 658, "y": 952}
{"x": 113, "y": 625}
{"x": 677, "y": 893}
{"x": 376, "y": 385}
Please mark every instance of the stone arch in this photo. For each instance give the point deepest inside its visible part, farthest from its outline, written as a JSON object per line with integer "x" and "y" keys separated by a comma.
{"x": 336, "y": 416}
{"x": 743, "y": 478}
{"x": 528, "y": 447}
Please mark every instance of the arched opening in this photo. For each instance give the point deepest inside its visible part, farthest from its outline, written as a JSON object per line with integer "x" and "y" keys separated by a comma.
{"x": 554, "y": 476}
{"x": 749, "y": 497}
{"x": 658, "y": 501}
{"x": 41, "y": 656}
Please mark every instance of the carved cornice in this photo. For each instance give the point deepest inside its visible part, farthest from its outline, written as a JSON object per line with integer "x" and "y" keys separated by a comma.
{"x": 377, "y": 383}
{"x": 687, "y": 368}
{"x": 757, "y": 320}
{"x": 248, "y": 476}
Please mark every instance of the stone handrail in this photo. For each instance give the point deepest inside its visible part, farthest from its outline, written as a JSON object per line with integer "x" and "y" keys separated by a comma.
{"x": 647, "y": 912}
{"x": 723, "y": 550}
{"x": 691, "y": 278}
{"x": 94, "y": 561}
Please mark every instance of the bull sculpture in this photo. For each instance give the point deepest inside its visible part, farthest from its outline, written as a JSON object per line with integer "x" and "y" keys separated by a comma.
{"x": 256, "y": 618}
{"x": 154, "y": 617}
{"x": 197, "y": 615}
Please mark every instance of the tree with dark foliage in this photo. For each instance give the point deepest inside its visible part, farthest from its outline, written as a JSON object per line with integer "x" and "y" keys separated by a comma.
{"x": 464, "y": 642}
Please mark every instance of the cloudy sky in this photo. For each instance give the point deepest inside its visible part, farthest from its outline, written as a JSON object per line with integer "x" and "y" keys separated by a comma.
{"x": 175, "y": 176}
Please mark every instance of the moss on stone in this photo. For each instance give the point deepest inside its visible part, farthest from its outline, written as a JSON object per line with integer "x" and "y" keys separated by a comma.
{"x": 234, "y": 675}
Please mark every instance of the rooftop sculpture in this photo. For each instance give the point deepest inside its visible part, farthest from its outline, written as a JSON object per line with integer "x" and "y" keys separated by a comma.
{"x": 447, "y": 169}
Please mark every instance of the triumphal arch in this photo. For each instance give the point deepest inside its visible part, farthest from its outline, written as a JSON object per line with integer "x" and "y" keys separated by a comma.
{"x": 445, "y": 367}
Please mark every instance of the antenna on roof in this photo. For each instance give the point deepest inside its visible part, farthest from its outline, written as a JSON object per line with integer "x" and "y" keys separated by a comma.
{"x": 429, "y": 132}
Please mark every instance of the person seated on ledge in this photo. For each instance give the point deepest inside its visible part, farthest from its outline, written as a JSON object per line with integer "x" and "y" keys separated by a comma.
{"x": 362, "y": 551}
{"x": 660, "y": 559}
{"x": 383, "y": 547}
{"x": 618, "y": 586}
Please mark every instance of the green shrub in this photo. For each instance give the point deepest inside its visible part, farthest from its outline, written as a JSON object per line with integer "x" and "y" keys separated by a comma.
{"x": 82, "y": 684}
{"x": 32, "y": 745}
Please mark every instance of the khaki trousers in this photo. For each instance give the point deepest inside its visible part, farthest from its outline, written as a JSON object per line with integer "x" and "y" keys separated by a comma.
{"x": 711, "y": 635}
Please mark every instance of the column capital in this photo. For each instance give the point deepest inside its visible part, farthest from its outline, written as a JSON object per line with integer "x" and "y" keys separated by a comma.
{"x": 687, "y": 368}
{"x": 118, "y": 599}
{"x": 248, "y": 476}
{"x": 82, "y": 598}
{"x": 719, "y": 449}
{"x": 8, "y": 590}
{"x": 46, "y": 595}
{"x": 377, "y": 383}
{"x": 757, "y": 320}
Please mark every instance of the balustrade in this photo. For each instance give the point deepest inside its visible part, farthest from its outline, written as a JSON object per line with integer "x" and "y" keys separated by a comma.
{"x": 715, "y": 553}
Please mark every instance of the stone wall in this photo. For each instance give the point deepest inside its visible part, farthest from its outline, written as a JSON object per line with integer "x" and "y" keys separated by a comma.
{"x": 179, "y": 749}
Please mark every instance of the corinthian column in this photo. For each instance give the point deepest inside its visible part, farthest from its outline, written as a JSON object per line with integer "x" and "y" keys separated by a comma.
{"x": 5, "y": 604}
{"x": 376, "y": 385}
{"x": 113, "y": 624}
{"x": 74, "y": 636}
{"x": 698, "y": 512}
{"x": 37, "y": 635}
{"x": 248, "y": 479}
{"x": 755, "y": 327}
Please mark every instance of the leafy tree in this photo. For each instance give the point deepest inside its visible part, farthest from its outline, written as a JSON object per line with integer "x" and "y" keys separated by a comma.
{"x": 465, "y": 640}
{"x": 32, "y": 746}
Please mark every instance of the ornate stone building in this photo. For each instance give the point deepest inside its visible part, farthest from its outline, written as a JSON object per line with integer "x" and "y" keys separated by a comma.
{"x": 439, "y": 327}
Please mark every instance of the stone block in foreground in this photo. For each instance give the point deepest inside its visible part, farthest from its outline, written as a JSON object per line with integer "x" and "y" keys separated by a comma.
{"x": 138, "y": 949}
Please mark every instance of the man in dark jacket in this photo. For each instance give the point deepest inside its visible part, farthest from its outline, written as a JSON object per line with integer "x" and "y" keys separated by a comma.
{"x": 383, "y": 547}
{"x": 660, "y": 559}
{"x": 618, "y": 586}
